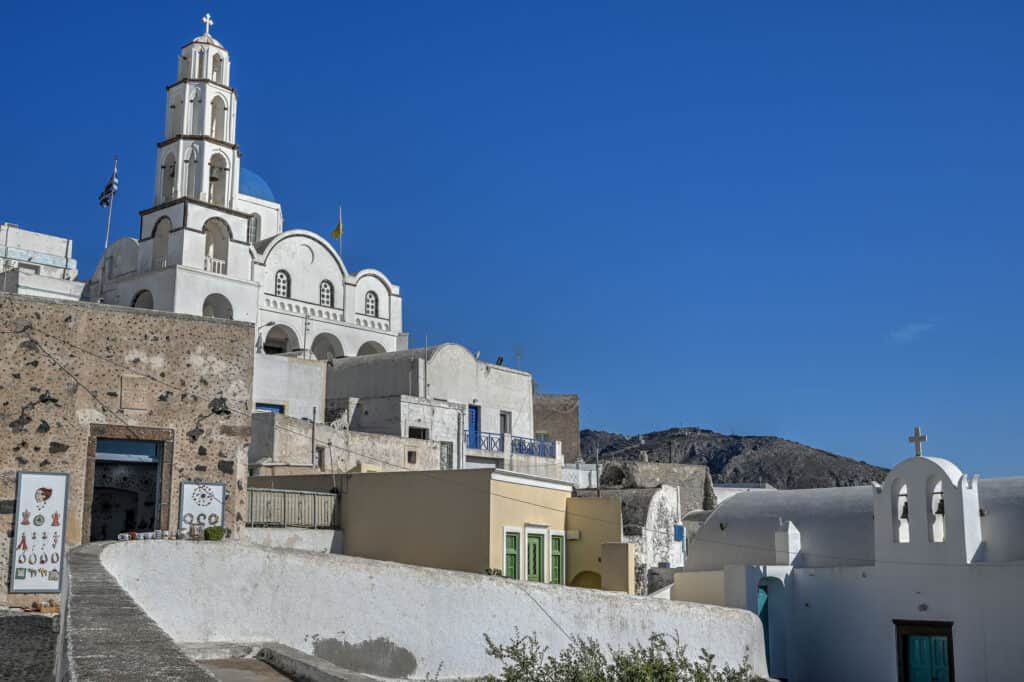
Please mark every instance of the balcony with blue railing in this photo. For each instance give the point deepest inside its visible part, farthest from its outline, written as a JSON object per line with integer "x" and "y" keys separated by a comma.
{"x": 518, "y": 445}
{"x": 481, "y": 440}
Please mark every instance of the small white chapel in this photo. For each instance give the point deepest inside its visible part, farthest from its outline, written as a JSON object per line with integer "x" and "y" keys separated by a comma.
{"x": 917, "y": 578}
{"x": 214, "y": 241}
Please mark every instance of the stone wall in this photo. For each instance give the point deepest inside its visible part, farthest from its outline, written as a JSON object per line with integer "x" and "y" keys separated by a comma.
{"x": 558, "y": 416}
{"x": 282, "y": 441}
{"x": 74, "y": 372}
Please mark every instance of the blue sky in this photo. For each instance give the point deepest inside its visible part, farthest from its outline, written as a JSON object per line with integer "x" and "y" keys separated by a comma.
{"x": 793, "y": 219}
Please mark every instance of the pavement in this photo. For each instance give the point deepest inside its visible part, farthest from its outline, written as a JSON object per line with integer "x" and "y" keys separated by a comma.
{"x": 243, "y": 670}
{"x": 28, "y": 643}
{"x": 110, "y": 638}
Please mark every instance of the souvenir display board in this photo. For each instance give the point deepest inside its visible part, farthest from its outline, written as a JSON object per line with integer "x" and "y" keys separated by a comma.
{"x": 37, "y": 558}
{"x": 201, "y": 503}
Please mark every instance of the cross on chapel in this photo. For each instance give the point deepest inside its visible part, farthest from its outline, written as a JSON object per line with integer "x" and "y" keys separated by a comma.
{"x": 917, "y": 439}
{"x": 208, "y": 21}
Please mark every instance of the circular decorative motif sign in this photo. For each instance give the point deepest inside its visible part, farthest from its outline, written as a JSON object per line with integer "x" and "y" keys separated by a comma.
{"x": 39, "y": 520}
{"x": 203, "y": 496}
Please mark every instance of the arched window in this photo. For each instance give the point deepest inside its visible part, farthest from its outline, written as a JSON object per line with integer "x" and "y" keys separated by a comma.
{"x": 192, "y": 173}
{"x": 217, "y": 237}
{"x": 326, "y": 294}
{"x": 218, "y": 68}
{"x": 161, "y": 235}
{"x": 219, "y": 119}
{"x": 282, "y": 284}
{"x": 936, "y": 511}
{"x": 252, "y": 230}
{"x": 902, "y": 509}
{"x": 370, "y": 306}
{"x": 169, "y": 171}
{"x": 218, "y": 193}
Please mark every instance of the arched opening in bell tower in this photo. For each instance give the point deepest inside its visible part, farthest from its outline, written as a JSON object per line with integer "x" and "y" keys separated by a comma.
{"x": 217, "y": 237}
{"x": 192, "y": 171}
{"x": 218, "y": 68}
{"x": 219, "y": 118}
{"x": 218, "y": 180}
{"x": 161, "y": 235}
{"x": 169, "y": 171}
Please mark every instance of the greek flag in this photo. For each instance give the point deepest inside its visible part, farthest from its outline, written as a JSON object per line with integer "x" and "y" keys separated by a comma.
{"x": 107, "y": 195}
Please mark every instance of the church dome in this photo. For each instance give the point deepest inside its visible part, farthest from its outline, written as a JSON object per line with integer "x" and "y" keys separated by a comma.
{"x": 207, "y": 39}
{"x": 252, "y": 184}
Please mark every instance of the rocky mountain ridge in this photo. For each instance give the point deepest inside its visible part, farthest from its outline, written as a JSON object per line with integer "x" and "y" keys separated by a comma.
{"x": 734, "y": 459}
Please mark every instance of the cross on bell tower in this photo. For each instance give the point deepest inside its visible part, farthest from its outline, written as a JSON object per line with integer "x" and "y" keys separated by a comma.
{"x": 208, "y": 21}
{"x": 918, "y": 439}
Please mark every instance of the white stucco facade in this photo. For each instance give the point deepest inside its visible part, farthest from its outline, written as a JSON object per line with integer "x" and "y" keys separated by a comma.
{"x": 445, "y": 393}
{"x": 37, "y": 264}
{"x": 851, "y": 583}
{"x": 214, "y": 241}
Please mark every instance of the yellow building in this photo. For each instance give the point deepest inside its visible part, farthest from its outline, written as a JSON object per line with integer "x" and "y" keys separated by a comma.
{"x": 517, "y": 525}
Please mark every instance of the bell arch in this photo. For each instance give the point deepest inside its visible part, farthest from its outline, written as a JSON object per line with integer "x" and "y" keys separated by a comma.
{"x": 169, "y": 174}
{"x": 219, "y": 180}
{"x": 217, "y": 237}
{"x": 218, "y": 118}
{"x": 161, "y": 237}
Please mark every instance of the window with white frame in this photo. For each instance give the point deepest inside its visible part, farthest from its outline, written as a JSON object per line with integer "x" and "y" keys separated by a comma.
{"x": 370, "y": 307}
{"x": 326, "y": 294}
{"x": 283, "y": 284}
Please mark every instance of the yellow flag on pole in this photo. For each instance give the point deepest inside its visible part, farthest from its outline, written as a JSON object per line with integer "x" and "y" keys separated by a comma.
{"x": 339, "y": 228}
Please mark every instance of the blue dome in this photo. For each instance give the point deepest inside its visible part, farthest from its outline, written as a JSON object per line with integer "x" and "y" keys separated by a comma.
{"x": 252, "y": 184}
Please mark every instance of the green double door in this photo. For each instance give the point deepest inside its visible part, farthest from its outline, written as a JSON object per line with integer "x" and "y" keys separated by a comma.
{"x": 927, "y": 658}
{"x": 535, "y": 558}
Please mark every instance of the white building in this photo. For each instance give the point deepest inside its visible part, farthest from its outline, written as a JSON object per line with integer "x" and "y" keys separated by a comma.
{"x": 481, "y": 412}
{"x": 214, "y": 244}
{"x": 37, "y": 264}
{"x": 917, "y": 578}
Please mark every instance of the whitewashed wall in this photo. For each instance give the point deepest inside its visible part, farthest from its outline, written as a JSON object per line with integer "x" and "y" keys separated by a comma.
{"x": 238, "y": 592}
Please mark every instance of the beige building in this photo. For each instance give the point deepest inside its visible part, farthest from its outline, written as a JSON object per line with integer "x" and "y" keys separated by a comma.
{"x": 517, "y": 525}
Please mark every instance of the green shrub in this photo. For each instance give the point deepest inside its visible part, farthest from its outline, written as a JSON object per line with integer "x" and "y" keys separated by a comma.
{"x": 214, "y": 533}
{"x": 523, "y": 659}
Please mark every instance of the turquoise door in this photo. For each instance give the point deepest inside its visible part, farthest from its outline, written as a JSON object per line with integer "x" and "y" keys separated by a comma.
{"x": 927, "y": 658}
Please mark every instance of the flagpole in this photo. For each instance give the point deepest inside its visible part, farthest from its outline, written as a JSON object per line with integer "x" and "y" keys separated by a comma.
{"x": 110, "y": 210}
{"x": 341, "y": 229}
{"x": 106, "y": 239}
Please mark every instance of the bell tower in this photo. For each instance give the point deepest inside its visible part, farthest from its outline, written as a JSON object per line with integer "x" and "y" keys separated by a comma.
{"x": 198, "y": 158}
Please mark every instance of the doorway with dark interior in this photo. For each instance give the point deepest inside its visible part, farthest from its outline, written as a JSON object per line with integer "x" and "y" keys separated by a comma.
{"x": 126, "y": 487}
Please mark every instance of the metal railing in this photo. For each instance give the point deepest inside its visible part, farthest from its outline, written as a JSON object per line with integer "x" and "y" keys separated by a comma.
{"x": 481, "y": 440}
{"x": 495, "y": 442}
{"x": 532, "y": 446}
{"x": 218, "y": 266}
{"x": 295, "y": 508}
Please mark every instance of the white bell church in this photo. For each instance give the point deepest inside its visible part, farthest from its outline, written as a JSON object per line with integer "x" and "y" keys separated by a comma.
{"x": 916, "y": 578}
{"x": 214, "y": 242}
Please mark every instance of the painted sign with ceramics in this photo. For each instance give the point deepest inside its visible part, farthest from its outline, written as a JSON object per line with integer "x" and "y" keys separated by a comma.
{"x": 37, "y": 558}
{"x": 201, "y": 503}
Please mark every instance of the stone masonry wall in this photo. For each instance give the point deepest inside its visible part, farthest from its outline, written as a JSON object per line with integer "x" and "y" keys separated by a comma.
{"x": 558, "y": 415}
{"x": 74, "y": 372}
